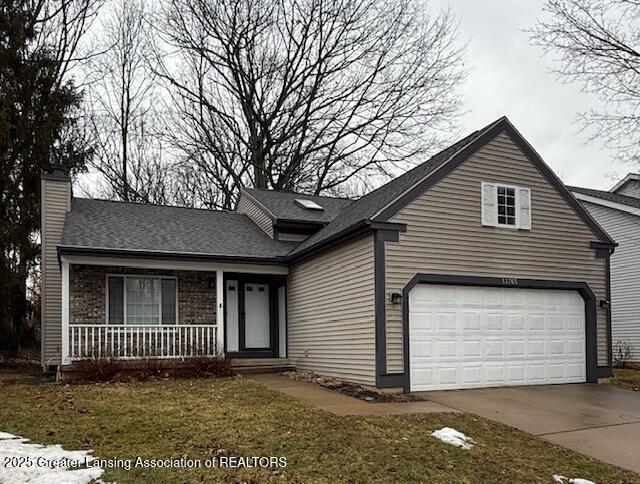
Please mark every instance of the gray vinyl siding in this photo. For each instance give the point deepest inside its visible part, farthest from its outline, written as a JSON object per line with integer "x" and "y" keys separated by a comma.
{"x": 291, "y": 237}
{"x": 331, "y": 312}
{"x": 56, "y": 200}
{"x": 445, "y": 236}
{"x": 624, "y": 228}
{"x": 630, "y": 189}
{"x": 256, "y": 213}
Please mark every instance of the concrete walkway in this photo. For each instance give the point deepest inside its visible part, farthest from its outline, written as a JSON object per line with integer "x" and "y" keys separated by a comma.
{"x": 339, "y": 404}
{"x": 600, "y": 421}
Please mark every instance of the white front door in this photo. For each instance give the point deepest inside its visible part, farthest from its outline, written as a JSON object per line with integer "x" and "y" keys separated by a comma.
{"x": 257, "y": 333}
{"x": 471, "y": 337}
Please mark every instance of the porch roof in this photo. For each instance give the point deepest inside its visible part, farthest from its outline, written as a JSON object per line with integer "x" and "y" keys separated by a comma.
{"x": 123, "y": 226}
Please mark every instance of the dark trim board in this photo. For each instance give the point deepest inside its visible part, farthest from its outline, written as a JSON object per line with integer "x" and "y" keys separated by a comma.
{"x": 583, "y": 288}
{"x": 605, "y": 372}
{"x": 360, "y": 228}
{"x": 383, "y": 380}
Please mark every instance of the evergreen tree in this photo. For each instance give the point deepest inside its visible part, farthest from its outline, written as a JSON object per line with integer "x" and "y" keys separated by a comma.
{"x": 37, "y": 130}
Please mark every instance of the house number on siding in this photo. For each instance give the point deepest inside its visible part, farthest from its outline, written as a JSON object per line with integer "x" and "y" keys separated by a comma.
{"x": 509, "y": 281}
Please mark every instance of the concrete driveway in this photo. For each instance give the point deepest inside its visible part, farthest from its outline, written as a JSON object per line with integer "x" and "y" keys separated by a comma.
{"x": 597, "y": 420}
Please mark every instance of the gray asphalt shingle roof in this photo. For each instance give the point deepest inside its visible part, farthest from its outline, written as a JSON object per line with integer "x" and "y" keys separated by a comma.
{"x": 369, "y": 205}
{"x": 282, "y": 205}
{"x": 101, "y": 224}
{"x": 611, "y": 197}
{"x": 131, "y": 226}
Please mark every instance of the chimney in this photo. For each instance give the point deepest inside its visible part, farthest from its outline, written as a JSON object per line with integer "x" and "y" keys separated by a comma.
{"x": 55, "y": 202}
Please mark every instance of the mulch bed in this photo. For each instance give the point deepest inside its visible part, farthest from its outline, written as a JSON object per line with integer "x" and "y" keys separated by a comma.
{"x": 351, "y": 389}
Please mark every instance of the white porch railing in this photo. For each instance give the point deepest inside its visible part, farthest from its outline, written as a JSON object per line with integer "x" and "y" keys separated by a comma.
{"x": 141, "y": 341}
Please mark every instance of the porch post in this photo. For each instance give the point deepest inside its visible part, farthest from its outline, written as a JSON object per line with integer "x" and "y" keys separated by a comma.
{"x": 65, "y": 311}
{"x": 220, "y": 308}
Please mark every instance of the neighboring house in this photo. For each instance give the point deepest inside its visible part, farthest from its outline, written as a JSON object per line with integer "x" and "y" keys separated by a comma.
{"x": 618, "y": 212}
{"x": 477, "y": 268}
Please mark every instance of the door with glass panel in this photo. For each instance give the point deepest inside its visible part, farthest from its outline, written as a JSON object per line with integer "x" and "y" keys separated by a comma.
{"x": 257, "y": 321}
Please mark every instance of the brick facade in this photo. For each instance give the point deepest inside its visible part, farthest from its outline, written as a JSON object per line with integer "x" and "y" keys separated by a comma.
{"x": 87, "y": 293}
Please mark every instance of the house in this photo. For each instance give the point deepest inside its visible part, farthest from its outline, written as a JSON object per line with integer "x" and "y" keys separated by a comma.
{"x": 618, "y": 212}
{"x": 477, "y": 268}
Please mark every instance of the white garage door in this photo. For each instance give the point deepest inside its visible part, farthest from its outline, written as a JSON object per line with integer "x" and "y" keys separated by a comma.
{"x": 470, "y": 337}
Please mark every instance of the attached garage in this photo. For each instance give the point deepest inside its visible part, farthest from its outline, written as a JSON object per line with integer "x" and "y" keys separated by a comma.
{"x": 471, "y": 336}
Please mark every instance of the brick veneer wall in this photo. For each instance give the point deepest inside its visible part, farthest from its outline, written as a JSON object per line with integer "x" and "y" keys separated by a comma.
{"x": 87, "y": 293}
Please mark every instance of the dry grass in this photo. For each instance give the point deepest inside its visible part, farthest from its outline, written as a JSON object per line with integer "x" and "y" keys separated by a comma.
{"x": 201, "y": 418}
{"x": 627, "y": 378}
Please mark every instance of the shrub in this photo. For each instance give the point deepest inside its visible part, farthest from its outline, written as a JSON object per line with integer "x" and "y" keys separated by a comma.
{"x": 98, "y": 369}
{"x": 208, "y": 366}
{"x": 150, "y": 367}
{"x": 622, "y": 352}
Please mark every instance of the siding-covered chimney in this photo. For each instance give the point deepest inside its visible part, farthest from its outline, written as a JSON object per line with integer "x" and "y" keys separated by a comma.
{"x": 55, "y": 203}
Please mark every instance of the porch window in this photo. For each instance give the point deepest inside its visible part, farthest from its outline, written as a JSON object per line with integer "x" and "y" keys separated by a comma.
{"x": 140, "y": 300}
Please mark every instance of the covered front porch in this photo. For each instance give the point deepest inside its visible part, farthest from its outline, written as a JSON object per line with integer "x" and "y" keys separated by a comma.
{"x": 144, "y": 308}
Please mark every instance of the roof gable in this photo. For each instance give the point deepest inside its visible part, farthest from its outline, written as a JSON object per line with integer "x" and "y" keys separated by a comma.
{"x": 382, "y": 204}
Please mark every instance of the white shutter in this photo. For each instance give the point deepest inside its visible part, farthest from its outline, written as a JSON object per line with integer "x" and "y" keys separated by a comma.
{"x": 489, "y": 204}
{"x": 524, "y": 208}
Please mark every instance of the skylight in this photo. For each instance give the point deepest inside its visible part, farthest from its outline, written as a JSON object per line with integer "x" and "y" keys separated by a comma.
{"x": 308, "y": 204}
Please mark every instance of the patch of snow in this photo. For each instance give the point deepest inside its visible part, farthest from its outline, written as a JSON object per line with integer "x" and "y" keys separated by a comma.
{"x": 35, "y": 463}
{"x": 453, "y": 437}
{"x": 573, "y": 480}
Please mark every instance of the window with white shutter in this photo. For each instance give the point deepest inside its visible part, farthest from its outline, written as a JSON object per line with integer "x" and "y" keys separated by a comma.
{"x": 506, "y": 206}
{"x": 489, "y": 204}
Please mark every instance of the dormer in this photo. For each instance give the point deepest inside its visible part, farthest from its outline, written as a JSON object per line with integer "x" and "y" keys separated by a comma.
{"x": 629, "y": 186}
{"x": 289, "y": 216}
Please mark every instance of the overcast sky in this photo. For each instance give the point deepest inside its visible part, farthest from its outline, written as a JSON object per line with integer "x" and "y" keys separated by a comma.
{"x": 511, "y": 77}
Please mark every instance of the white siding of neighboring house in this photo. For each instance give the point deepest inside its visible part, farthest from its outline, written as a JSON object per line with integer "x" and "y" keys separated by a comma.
{"x": 630, "y": 189}
{"x": 624, "y": 228}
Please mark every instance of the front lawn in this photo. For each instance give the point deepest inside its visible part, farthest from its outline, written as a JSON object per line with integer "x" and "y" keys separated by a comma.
{"x": 626, "y": 378}
{"x": 200, "y": 419}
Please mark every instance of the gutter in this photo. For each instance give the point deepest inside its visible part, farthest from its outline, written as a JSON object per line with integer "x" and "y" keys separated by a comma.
{"x": 359, "y": 228}
{"x": 141, "y": 253}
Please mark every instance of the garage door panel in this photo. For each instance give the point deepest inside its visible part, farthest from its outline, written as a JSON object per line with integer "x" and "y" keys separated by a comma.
{"x": 446, "y": 321}
{"x": 471, "y": 321}
{"x": 515, "y": 322}
{"x": 469, "y": 337}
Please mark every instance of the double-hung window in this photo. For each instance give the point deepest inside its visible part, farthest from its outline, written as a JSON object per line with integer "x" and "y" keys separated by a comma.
{"x": 141, "y": 300}
{"x": 506, "y": 206}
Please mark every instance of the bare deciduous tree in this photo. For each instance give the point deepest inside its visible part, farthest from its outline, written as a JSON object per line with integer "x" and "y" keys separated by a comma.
{"x": 122, "y": 114}
{"x": 598, "y": 42}
{"x": 60, "y": 27}
{"x": 303, "y": 94}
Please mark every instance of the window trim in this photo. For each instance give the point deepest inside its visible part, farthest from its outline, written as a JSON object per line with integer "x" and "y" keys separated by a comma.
{"x": 516, "y": 196}
{"x": 124, "y": 297}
